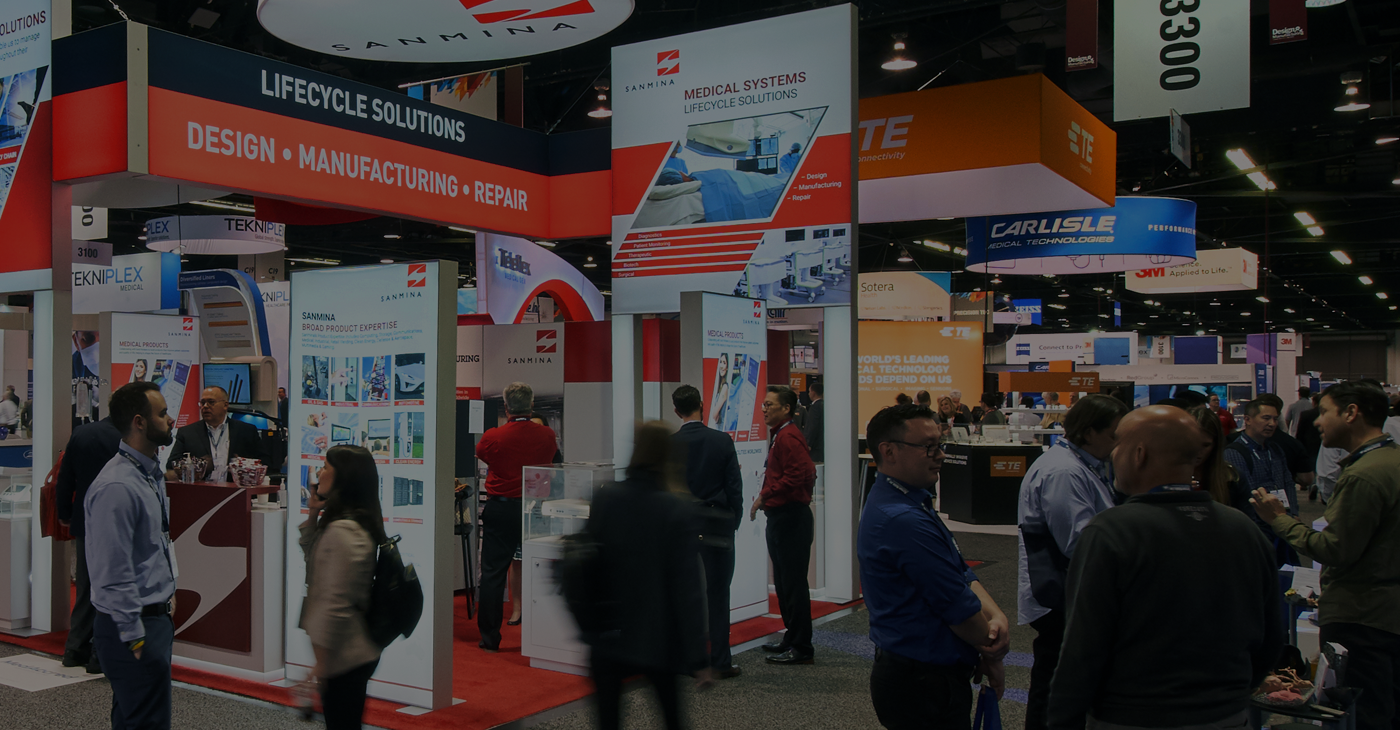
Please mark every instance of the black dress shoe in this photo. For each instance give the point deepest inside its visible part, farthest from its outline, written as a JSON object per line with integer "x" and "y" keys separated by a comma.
{"x": 74, "y": 658}
{"x": 487, "y": 647}
{"x": 776, "y": 647}
{"x": 729, "y": 672}
{"x": 93, "y": 665}
{"x": 514, "y": 622}
{"x": 790, "y": 657}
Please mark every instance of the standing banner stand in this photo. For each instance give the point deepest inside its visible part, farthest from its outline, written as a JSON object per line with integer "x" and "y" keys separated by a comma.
{"x": 743, "y": 188}
{"x": 391, "y": 329}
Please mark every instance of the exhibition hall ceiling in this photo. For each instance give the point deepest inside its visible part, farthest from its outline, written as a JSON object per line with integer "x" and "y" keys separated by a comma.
{"x": 1326, "y": 164}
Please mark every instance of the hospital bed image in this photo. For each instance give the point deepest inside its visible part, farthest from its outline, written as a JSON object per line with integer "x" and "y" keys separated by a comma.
{"x": 786, "y": 262}
{"x": 709, "y": 196}
{"x": 761, "y": 280}
{"x": 836, "y": 253}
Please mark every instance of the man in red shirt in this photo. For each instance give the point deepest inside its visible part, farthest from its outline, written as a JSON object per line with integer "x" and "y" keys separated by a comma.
{"x": 1227, "y": 421}
{"x": 506, "y": 450}
{"x": 788, "y": 477}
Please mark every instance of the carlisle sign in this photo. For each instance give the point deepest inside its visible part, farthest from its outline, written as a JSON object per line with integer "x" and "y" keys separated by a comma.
{"x": 440, "y": 31}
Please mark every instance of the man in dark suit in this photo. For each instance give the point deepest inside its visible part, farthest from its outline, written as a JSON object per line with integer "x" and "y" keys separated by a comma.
{"x": 89, "y": 449}
{"x": 814, "y": 429}
{"x": 712, "y": 473}
{"x": 217, "y": 439}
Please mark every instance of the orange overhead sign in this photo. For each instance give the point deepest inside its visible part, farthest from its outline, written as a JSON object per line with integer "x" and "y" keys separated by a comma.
{"x": 1040, "y": 382}
{"x": 907, "y": 357}
{"x": 1017, "y": 145}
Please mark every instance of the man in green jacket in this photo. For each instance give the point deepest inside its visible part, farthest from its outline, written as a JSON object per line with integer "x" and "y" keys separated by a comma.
{"x": 1360, "y": 548}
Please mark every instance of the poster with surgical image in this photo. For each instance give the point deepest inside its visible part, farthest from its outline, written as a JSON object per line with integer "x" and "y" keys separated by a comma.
{"x": 733, "y": 164}
{"x": 369, "y": 346}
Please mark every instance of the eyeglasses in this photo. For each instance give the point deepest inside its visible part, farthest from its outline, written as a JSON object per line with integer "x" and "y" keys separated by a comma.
{"x": 766, "y": 405}
{"x": 929, "y": 449}
{"x": 210, "y": 402}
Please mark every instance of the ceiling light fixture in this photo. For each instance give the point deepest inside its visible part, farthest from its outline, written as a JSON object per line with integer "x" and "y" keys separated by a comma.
{"x": 1245, "y": 314}
{"x": 904, "y": 257}
{"x": 326, "y": 262}
{"x": 546, "y": 244}
{"x": 1365, "y": 280}
{"x": 996, "y": 279}
{"x": 461, "y": 229}
{"x": 1315, "y": 230}
{"x": 1064, "y": 295}
{"x": 1351, "y": 95}
{"x": 1382, "y": 295}
{"x": 1387, "y": 139}
{"x": 392, "y": 236}
{"x": 1341, "y": 256}
{"x": 589, "y": 264}
{"x": 602, "y": 112}
{"x": 224, "y": 206}
{"x": 1290, "y": 311}
{"x": 1057, "y": 306}
{"x": 899, "y": 61}
{"x": 1243, "y": 161}
{"x": 1305, "y": 218}
{"x": 1263, "y": 299}
{"x": 386, "y": 261}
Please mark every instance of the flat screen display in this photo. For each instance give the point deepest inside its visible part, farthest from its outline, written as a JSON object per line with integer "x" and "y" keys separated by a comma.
{"x": 234, "y": 377}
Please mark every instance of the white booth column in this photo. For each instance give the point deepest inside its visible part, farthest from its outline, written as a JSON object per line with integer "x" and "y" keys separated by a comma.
{"x": 842, "y": 487}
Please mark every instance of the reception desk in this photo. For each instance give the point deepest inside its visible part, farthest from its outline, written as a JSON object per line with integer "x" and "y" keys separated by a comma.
{"x": 981, "y": 483}
{"x": 230, "y": 551}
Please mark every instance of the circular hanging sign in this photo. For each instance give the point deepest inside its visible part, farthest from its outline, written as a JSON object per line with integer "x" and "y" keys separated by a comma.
{"x": 1137, "y": 233}
{"x": 440, "y": 31}
{"x": 215, "y": 234}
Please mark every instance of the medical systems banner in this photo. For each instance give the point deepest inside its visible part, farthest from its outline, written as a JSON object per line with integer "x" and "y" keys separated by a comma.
{"x": 512, "y": 272}
{"x": 1187, "y": 55}
{"x": 26, "y": 143}
{"x": 732, "y": 164}
{"x": 368, "y": 345}
{"x": 1134, "y": 234}
{"x": 1214, "y": 270}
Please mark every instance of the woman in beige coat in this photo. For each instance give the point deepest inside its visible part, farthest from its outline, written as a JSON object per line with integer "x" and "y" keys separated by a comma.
{"x": 340, "y": 542}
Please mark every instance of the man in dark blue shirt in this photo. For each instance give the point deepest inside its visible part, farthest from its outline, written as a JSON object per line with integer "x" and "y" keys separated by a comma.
{"x": 933, "y": 625}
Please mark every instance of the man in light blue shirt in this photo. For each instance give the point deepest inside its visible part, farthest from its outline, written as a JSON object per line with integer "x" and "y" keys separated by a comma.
{"x": 131, "y": 562}
{"x": 1063, "y": 490}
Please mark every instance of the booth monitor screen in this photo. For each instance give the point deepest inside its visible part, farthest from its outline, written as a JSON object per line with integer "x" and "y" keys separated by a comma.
{"x": 234, "y": 377}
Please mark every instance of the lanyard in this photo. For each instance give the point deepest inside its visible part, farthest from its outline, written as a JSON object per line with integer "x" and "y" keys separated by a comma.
{"x": 928, "y": 509}
{"x": 164, "y": 519}
{"x": 1171, "y": 488}
{"x": 1098, "y": 475}
{"x": 1364, "y": 450}
{"x": 216, "y": 435}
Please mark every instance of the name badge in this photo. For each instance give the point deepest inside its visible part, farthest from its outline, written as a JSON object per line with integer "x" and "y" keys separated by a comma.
{"x": 1283, "y": 497}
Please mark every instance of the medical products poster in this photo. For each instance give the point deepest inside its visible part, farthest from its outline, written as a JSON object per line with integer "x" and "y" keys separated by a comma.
{"x": 160, "y": 349}
{"x": 732, "y": 164}
{"x": 364, "y": 345}
{"x": 26, "y": 137}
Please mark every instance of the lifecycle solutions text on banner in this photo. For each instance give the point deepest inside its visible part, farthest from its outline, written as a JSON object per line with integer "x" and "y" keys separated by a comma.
{"x": 732, "y": 163}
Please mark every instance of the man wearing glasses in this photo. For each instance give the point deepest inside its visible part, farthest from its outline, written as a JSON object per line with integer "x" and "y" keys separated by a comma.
{"x": 933, "y": 625}
{"x": 217, "y": 439}
{"x": 786, "y": 498}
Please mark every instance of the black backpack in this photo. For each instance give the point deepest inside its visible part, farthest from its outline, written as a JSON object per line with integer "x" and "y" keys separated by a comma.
{"x": 395, "y": 598}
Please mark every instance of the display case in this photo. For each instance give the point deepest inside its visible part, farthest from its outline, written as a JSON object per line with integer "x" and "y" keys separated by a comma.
{"x": 16, "y": 514}
{"x": 556, "y": 501}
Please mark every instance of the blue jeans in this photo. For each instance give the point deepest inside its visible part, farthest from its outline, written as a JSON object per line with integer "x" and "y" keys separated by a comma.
{"x": 140, "y": 687}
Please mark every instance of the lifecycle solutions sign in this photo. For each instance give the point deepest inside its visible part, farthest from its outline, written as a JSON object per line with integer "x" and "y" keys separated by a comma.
{"x": 440, "y": 31}
{"x": 1136, "y": 233}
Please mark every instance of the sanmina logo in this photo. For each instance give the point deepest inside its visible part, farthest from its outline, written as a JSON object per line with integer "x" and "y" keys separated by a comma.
{"x": 555, "y": 10}
{"x": 417, "y": 275}
{"x": 668, "y": 63}
{"x": 546, "y": 341}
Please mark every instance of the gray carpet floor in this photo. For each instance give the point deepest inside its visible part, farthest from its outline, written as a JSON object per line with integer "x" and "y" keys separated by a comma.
{"x": 832, "y": 693}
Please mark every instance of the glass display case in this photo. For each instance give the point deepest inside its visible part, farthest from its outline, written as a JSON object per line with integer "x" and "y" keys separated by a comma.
{"x": 15, "y": 499}
{"x": 556, "y": 497}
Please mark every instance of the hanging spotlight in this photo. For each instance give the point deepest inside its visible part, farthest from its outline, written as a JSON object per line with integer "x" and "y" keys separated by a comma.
{"x": 602, "y": 112}
{"x": 590, "y": 264}
{"x": 899, "y": 62}
{"x": 904, "y": 257}
{"x": 1351, "y": 94}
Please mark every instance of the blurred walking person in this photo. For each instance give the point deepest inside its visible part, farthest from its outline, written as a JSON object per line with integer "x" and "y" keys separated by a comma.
{"x": 340, "y": 541}
{"x": 649, "y": 569}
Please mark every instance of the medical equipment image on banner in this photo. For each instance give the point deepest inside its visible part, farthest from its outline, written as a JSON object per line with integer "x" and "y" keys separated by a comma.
{"x": 735, "y": 367}
{"x": 19, "y": 98}
{"x": 733, "y": 169}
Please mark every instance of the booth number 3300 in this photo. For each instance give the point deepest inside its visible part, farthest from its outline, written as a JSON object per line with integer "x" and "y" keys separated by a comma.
{"x": 1178, "y": 55}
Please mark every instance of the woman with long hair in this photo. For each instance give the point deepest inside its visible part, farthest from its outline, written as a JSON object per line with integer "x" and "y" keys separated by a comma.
{"x": 1213, "y": 474}
{"x": 138, "y": 370}
{"x": 720, "y": 400}
{"x": 650, "y": 558}
{"x": 948, "y": 413}
{"x": 340, "y": 541}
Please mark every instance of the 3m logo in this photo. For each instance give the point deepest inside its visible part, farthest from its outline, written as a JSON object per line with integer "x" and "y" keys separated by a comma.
{"x": 546, "y": 341}
{"x": 187, "y": 324}
{"x": 556, "y": 10}
{"x": 668, "y": 63}
{"x": 417, "y": 275}
{"x": 1150, "y": 273}
{"x": 1081, "y": 142}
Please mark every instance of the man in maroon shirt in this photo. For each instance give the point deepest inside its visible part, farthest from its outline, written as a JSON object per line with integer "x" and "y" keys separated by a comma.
{"x": 788, "y": 477}
{"x": 506, "y": 450}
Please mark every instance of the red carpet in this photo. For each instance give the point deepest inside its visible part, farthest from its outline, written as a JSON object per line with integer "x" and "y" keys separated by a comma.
{"x": 498, "y": 688}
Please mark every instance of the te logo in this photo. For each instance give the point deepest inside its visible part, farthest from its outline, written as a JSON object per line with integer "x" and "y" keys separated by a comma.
{"x": 668, "y": 63}
{"x": 417, "y": 275}
{"x": 546, "y": 341}
{"x": 187, "y": 324}
{"x": 1081, "y": 142}
{"x": 957, "y": 331}
{"x": 895, "y": 127}
{"x": 560, "y": 10}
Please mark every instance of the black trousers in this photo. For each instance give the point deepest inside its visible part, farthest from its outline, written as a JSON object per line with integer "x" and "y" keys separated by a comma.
{"x": 607, "y": 681}
{"x": 140, "y": 687}
{"x": 500, "y": 536}
{"x": 790, "y": 530}
{"x": 80, "y": 625}
{"x": 719, "y": 573}
{"x": 920, "y": 698}
{"x": 343, "y": 697}
{"x": 1049, "y": 636}
{"x": 1373, "y": 664}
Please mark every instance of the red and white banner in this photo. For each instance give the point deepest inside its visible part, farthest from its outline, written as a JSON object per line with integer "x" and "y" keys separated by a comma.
{"x": 26, "y": 146}
{"x": 732, "y": 164}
